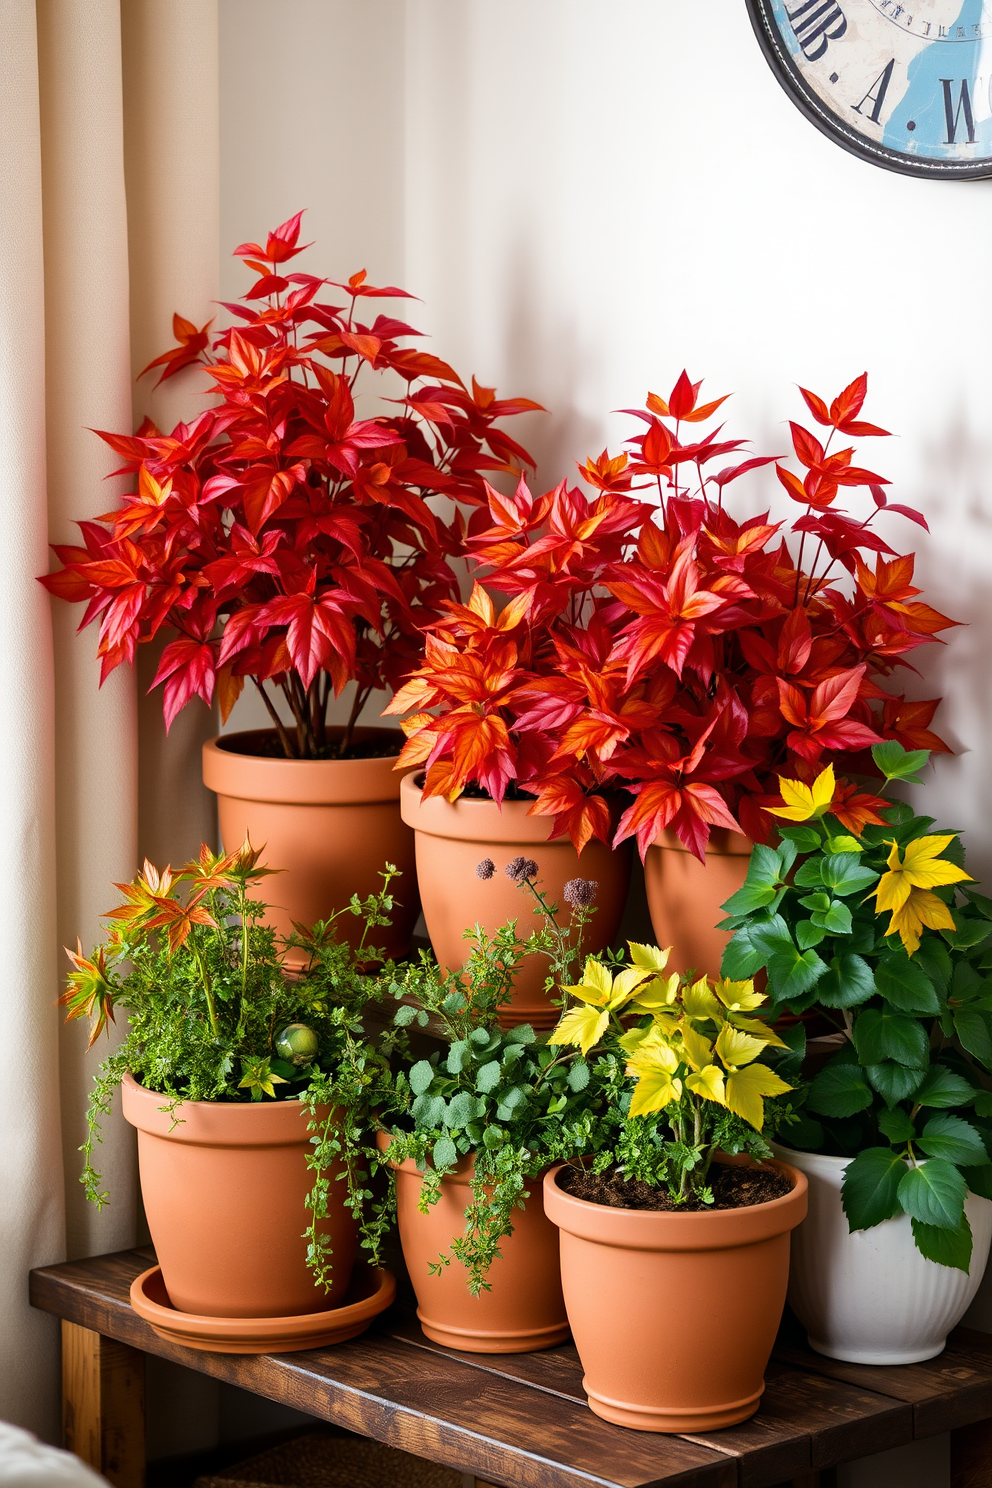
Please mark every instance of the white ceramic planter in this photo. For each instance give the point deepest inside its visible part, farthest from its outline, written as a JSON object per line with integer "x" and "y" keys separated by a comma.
{"x": 870, "y": 1297}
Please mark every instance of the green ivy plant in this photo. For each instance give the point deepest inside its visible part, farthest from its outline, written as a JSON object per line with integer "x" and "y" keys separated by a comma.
{"x": 882, "y": 933}
{"x": 501, "y": 1096}
{"x": 212, "y": 1016}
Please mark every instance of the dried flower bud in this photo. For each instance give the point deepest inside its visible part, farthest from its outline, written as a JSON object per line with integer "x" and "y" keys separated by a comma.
{"x": 485, "y": 869}
{"x": 580, "y": 892}
{"x": 520, "y": 868}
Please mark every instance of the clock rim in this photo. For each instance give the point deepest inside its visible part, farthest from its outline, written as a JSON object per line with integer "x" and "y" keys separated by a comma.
{"x": 791, "y": 80}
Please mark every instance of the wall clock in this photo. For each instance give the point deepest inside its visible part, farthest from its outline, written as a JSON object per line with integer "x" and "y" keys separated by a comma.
{"x": 906, "y": 84}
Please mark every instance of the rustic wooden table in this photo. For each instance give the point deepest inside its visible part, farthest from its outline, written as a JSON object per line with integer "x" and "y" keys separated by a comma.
{"x": 516, "y": 1419}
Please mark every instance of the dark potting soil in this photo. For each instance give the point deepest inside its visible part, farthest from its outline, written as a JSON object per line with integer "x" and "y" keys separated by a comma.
{"x": 474, "y": 792}
{"x": 734, "y": 1187}
{"x": 264, "y": 744}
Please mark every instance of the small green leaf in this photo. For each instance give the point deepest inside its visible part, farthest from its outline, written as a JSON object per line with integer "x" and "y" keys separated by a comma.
{"x": 896, "y": 1125}
{"x": 817, "y": 903}
{"x": 870, "y": 1190}
{"x": 522, "y": 1034}
{"x": 837, "y": 919}
{"x": 792, "y": 973}
{"x": 935, "y": 960}
{"x": 404, "y": 1016}
{"x": 741, "y": 959}
{"x": 845, "y": 874}
{"x": 808, "y": 874}
{"x": 906, "y": 986}
{"x": 578, "y": 1075}
{"x": 983, "y": 1103}
{"x": 420, "y": 1076}
{"x": 894, "y": 1082}
{"x": 897, "y": 763}
{"x": 807, "y": 839}
{"x": 457, "y": 1055}
{"x": 488, "y": 1076}
{"x": 808, "y": 934}
{"x": 749, "y": 898}
{"x": 933, "y": 1193}
{"x": 463, "y": 1108}
{"x": 880, "y": 1034}
{"x": 764, "y": 867}
{"x": 973, "y": 1030}
{"x": 946, "y": 1247}
{"x": 428, "y": 1112}
{"x": 847, "y": 982}
{"x": 445, "y": 1153}
{"x": 954, "y": 1139}
{"x": 942, "y": 1087}
{"x": 839, "y": 1090}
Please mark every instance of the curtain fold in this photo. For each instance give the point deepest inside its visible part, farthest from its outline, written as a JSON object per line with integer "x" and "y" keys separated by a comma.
{"x": 32, "y": 1208}
{"x": 108, "y": 173}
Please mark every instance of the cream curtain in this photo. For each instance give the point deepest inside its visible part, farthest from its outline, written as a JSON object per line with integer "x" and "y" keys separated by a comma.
{"x": 108, "y": 179}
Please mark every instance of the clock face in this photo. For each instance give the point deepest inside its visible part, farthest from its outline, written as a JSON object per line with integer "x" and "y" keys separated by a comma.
{"x": 905, "y": 83}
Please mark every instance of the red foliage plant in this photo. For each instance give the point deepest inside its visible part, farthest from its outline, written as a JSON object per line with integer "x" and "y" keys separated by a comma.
{"x": 652, "y": 642}
{"x": 279, "y": 536}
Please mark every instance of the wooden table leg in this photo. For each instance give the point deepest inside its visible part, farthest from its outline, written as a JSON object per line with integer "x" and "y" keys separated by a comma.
{"x": 103, "y": 1404}
{"x": 971, "y": 1456}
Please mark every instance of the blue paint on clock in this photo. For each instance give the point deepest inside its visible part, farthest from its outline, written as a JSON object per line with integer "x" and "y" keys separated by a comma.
{"x": 907, "y": 83}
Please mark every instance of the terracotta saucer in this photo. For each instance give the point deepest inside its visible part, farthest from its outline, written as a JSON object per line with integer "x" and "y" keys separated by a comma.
{"x": 371, "y": 1291}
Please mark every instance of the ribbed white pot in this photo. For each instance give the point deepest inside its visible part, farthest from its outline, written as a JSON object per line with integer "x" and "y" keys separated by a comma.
{"x": 870, "y": 1297}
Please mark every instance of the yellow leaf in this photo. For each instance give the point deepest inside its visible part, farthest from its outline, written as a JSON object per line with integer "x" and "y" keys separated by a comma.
{"x": 921, "y": 910}
{"x": 583, "y": 1026}
{"x": 632, "y": 1040}
{"x": 739, "y": 997}
{"x": 649, "y": 956}
{"x": 736, "y": 1048}
{"x": 653, "y": 1092}
{"x": 803, "y": 801}
{"x": 480, "y": 604}
{"x": 759, "y": 1028}
{"x": 708, "y": 1083}
{"x": 654, "y": 1054}
{"x": 920, "y": 868}
{"x": 596, "y": 985}
{"x": 659, "y": 993}
{"x": 745, "y": 1089}
{"x": 699, "y": 1001}
{"x": 626, "y": 983}
{"x": 698, "y": 1050}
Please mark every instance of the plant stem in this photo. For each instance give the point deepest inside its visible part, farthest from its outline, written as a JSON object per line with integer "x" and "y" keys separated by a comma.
{"x": 279, "y": 726}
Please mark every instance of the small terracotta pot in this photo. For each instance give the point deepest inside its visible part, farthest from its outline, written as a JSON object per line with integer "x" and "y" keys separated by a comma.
{"x": 330, "y": 825}
{"x": 454, "y": 836}
{"x": 524, "y": 1310}
{"x": 674, "y": 1315}
{"x": 685, "y": 895}
{"x": 224, "y": 1187}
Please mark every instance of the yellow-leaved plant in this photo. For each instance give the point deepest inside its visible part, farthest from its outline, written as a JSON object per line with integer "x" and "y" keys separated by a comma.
{"x": 692, "y": 1048}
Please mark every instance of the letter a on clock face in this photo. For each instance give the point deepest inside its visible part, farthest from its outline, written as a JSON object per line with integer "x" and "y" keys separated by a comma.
{"x": 906, "y": 84}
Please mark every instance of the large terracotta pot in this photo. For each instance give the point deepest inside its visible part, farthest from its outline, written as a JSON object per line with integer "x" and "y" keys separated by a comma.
{"x": 454, "y": 836}
{"x": 674, "y": 1315}
{"x": 224, "y": 1187}
{"x": 685, "y": 895}
{"x": 524, "y": 1310}
{"x": 869, "y": 1296}
{"x": 330, "y": 825}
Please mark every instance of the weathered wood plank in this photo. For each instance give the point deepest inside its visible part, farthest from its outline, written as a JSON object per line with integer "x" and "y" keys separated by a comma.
{"x": 103, "y": 1404}
{"x": 495, "y": 1428}
{"x": 971, "y": 1456}
{"x": 950, "y": 1391}
{"x": 806, "y": 1420}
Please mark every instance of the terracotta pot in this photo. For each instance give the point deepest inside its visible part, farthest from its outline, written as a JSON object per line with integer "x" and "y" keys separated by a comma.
{"x": 685, "y": 895}
{"x": 674, "y": 1315}
{"x": 453, "y": 837}
{"x": 524, "y": 1310}
{"x": 330, "y": 825}
{"x": 224, "y": 1187}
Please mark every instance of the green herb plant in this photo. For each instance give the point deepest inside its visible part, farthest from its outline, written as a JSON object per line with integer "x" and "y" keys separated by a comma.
{"x": 213, "y": 1016}
{"x": 882, "y": 933}
{"x": 502, "y": 1097}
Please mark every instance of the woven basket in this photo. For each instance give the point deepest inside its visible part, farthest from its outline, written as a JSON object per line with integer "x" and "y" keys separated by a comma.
{"x": 323, "y": 1461}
